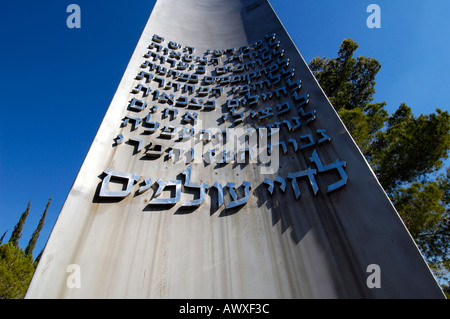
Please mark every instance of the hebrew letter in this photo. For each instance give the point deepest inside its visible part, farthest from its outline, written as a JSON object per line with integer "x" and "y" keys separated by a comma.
{"x": 238, "y": 117}
{"x": 119, "y": 139}
{"x": 190, "y": 118}
{"x": 157, "y": 38}
{"x": 182, "y": 101}
{"x": 242, "y": 201}
{"x": 146, "y": 75}
{"x": 142, "y": 88}
{"x": 288, "y": 124}
{"x": 227, "y": 157}
{"x": 283, "y": 108}
{"x": 311, "y": 141}
{"x": 186, "y": 132}
{"x": 194, "y": 103}
{"x": 303, "y": 99}
{"x": 167, "y": 111}
{"x": 154, "y": 150}
{"x": 241, "y": 155}
{"x": 294, "y": 86}
{"x": 137, "y": 121}
{"x": 203, "y": 90}
{"x": 138, "y": 141}
{"x": 338, "y": 165}
{"x": 308, "y": 173}
{"x": 219, "y": 193}
{"x": 130, "y": 178}
{"x": 200, "y": 186}
{"x": 266, "y": 113}
{"x": 297, "y": 123}
{"x": 166, "y": 201}
{"x": 279, "y": 91}
{"x": 146, "y": 186}
{"x": 311, "y": 114}
{"x": 325, "y": 137}
{"x": 169, "y": 131}
{"x": 209, "y": 105}
{"x": 178, "y": 153}
{"x": 270, "y": 183}
{"x": 282, "y": 183}
{"x": 151, "y": 126}
{"x": 283, "y": 146}
{"x": 294, "y": 143}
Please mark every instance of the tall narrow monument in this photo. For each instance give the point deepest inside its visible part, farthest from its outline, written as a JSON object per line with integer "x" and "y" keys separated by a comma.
{"x": 221, "y": 170}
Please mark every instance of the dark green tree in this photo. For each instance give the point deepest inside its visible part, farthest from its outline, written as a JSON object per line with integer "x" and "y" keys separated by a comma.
{"x": 3, "y": 236}
{"x": 16, "y": 271}
{"x": 405, "y": 151}
{"x": 400, "y": 147}
{"x": 421, "y": 209}
{"x": 16, "y": 265}
{"x": 348, "y": 81}
{"x": 35, "y": 235}
{"x": 17, "y": 232}
{"x": 410, "y": 147}
{"x": 436, "y": 240}
{"x": 350, "y": 85}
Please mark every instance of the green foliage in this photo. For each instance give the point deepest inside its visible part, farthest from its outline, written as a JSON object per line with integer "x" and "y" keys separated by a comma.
{"x": 350, "y": 85}
{"x": 364, "y": 123}
{"x": 3, "y": 236}
{"x": 401, "y": 148}
{"x": 410, "y": 147}
{"x": 17, "y": 266}
{"x": 404, "y": 151}
{"x": 420, "y": 208}
{"x": 349, "y": 82}
{"x": 16, "y": 271}
{"x": 17, "y": 232}
{"x": 35, "y": 235}
{"x": 424, "y": 207}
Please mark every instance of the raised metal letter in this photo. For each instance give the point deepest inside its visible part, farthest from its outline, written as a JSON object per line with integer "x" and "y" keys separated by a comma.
{"x": 131, "y": 179}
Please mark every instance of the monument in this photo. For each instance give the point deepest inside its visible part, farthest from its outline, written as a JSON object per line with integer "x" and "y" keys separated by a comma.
{"x": 221, "y": 170}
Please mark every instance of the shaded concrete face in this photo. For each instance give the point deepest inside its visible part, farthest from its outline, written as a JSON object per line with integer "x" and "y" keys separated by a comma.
{"x": 315, "y": 239}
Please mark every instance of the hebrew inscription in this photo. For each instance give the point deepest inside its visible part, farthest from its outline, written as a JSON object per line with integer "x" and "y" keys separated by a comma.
{"x": 262, "y": 113}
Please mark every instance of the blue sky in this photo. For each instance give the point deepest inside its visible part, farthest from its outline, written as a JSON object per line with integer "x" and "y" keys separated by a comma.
{"x": 56, "y": 83}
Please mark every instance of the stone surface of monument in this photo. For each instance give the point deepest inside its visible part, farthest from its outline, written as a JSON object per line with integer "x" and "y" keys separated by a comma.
{"x": 221, "y": 170}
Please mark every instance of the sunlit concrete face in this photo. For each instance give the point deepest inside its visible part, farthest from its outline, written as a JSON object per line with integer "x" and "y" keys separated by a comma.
{"x": 163, "y": 207}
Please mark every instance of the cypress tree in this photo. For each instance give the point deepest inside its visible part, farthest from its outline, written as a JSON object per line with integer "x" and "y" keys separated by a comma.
{"x": 3, "y": 236}
{"x": 35, "y": 235}
{"x": 17, "y": 232}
